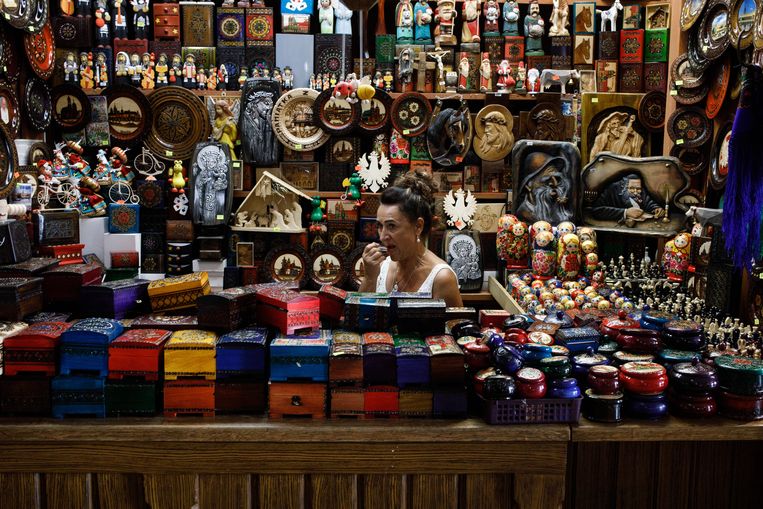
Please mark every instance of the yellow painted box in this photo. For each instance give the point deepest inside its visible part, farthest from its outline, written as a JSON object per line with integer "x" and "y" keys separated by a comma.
{"x": 178, "y": 292}
{"x": 190, "y": 354}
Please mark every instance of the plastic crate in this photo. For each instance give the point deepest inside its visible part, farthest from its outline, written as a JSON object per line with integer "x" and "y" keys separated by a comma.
{"x": 535, "y": 411}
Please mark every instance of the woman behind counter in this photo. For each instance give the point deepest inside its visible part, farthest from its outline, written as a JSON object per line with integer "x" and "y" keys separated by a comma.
{"x": 402, "y": 262}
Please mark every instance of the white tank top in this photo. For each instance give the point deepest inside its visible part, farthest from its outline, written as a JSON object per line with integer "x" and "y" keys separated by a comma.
{"x": 426, "y": 286}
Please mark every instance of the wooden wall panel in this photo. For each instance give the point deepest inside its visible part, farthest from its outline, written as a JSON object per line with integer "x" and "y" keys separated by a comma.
{"x": 748, "y": 463}
{"x": 120, "y": 491}
{"x": 538, "y": 490}
{"x": 170, "y": 491}
{"x": 282, "y": 491}
{"x": 383, "y": 491}
{"x": 674, "y": 475}
{"x": 434, "y": 491}
{"x": 713, "y": 470}
{"x": 334, "y": 491}
{"x": 225, "y": 491}
{"x": 592, "y": 475}
{"x": 17, "y": 490}
{"x": 636, "y": 474}
{"x": 64, "y": 491}
{"x": 486, "y": 491}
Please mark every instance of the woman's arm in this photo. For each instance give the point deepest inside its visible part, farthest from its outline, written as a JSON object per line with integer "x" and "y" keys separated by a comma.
{"x": 445, "y": 287}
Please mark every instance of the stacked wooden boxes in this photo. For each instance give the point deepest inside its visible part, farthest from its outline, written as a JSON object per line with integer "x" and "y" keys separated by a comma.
{"x": 381, "y": 397}
{"x": 19, "y": 297}
{"x": 413, "y": 377}
{"x": 178, "y": 292}
{"x": 346, "y": 374}
{"x": 242, "y": 371}
{"x": 447, "y": 375}
{"x": 288, "y": 311}
{"x": 228, "y": 309}
{"x": 62, "y": 285}
{"x": 189, "y": 373}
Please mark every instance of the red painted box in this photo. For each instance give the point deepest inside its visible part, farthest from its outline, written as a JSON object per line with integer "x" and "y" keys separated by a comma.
{"x": 493, "y": 317}
{"x": 381, "y": 400}
{"x": 61, "y": 285}
{"x": 33, "y": 350}
{"x": 66, "y": 254}
{"x": 332, "y": 302}
{"x": 124, "y": 259}
{"x": 288, "y": 310}
{"x": 137, "y": 354}
{"x": 631, "y": 46}
{"x": 182, "y": 397}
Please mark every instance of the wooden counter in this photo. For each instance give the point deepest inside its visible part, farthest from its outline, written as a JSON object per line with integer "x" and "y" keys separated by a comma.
{"x": 252, "y": 462}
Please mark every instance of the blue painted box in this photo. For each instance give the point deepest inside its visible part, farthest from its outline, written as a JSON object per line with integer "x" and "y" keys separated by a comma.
{"x": 412, "y": 364}
{"x": 84, "y": 347}
{"x": 78, "y": 395}
{"x": 124, "y": 218}
{"x": 300, "y": 357}
{"x": 241, "y": 353}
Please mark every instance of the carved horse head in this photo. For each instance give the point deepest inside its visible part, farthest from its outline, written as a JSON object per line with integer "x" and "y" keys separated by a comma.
{"x": 449, "y": 135}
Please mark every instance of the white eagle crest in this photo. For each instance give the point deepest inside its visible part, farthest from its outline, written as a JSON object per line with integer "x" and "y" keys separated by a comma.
{"x": 374, "y": 171}
{"x": 460, "y": 208}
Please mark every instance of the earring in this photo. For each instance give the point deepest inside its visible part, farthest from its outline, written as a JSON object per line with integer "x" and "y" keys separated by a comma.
{"x": 418, "y": 239}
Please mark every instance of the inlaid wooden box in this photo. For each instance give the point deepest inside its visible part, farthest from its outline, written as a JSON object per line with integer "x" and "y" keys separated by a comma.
{"x": 631, "y": 46}
{"x": 425, "y": 316}
{"x": 198, "y": 23}
{"x": 62, "y": 285}
{"x": 631, "y": 78}
{"x": 190, "y": 353}
{"x": 34, "y": 266}
{"x": 125, "y": 259}
{"x": 25, "y": 396}
{"x": 228, "y": 309}
{"x": 346, "y": 361}
{"x": 183, "y": 397}
{"x": 20, "y": 297}
{"x": 416, "y": 402}
{"x": 241, "y": 396}
{"x": 116, "y": 299}
{"x": 14, "y": 242}
{"x": 178, "y": 292}
{"x": 347, "y": 401}
{"x": 84, "y": 347}
{"x": 66, "y": 254}
{"x": 288, "y": 310}
{"x": 77, "y": 395}
{"x": 179, "y": 230}
{"x": 242, "y": 353}
{"x": 259, "y": 25}
{"x": 493, "y": 317}
{"x": 446, "y": 360}
{"x": 381, "y": 401}
{"x": 331, "y": 302}
{"x": 656, "y": 43}
{"x": 655, "y": 76}
{"x": 167, "y": 322}
{"x": 124, "y": 218}
{"x": 379, "y": 365}
{"x": 33, "y": 350}
{"x": 412, "y": 364}
{"x": 297, "y": 399}
{"x": 54, "y": 227}
{"x": 137, "y": 354}
{"x": 609, "y": 45}
{"x": 370, "y": 313}
{"x": 231, "y": 23}
{"x": 300, "y": 357}
{"x": 131, "y": 397}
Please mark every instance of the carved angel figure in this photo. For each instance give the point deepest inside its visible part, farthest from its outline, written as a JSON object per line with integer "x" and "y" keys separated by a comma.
{"x": 224, "y": 117}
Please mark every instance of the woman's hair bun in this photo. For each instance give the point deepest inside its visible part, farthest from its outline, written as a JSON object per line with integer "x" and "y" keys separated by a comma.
{"x": 419, "y": 183}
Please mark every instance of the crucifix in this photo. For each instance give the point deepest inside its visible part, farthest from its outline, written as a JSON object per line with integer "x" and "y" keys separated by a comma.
{"x": 437, "y": 56}
{"x": 422, "y": 66}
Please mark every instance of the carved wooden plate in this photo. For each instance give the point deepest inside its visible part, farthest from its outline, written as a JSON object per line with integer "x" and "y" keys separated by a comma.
{"x": 39, "y": 150}
{"x": 375, "y": 115}
{"x": 683, "y": 75}
{"x": 328, "y": 266}
{"x": 689, "y": 96}
{"x": 757, "y": 30}
{"x": 355, "y": 270}
{"x": 718, "y": 88}
{"x": 545, "y": 122}
{"x": 9, "y": 162}
{"x": 651, "y": 110}
{"x": 333, "y": 115}
{"x": 129, "y": 113}
{"x": 20, "y": 16}
{"x": 690, "y": 13}
{"x": 693, "y": 160}
{"x": 713, "y": 35}
{"x": 719, "y": 159}
{"x": 742, "y": 13}
{"x": 411, "y": 113}
{"x": 293, "y": 121}
{"x": 289, "y": 264}
{"x": 9, "y": 62}
{"x": 689, "y": 127}
{"x": 38, "y": 104}
{"x": 179, "y": 120}
{"x": 40, "y": 17}
{"x": 699, "y": 63}
{"x": 40, "y": 50}
{"x": 71, "y": 107}
{"x": 10, "y": 115}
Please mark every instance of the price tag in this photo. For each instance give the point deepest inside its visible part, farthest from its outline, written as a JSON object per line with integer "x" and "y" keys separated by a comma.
{"x": 236, "y": 164}
{"x": 276, "y": 228}
{"x": 220, "y": 217}
{"x": 594, "y": 99}
{"x": 459, "y": 159}
{"x": 7, "y": 16}
{"x": 298, "y": 146}
{"x": 169, "y": 153}
{"x": 530, "y": 143}
{"x": 680, "y": 141}
{"x": 679, "y": 83}
{"x": 674, "y": 92}
{"x": 406, "y": 132}
{"x": 704, "y": 47}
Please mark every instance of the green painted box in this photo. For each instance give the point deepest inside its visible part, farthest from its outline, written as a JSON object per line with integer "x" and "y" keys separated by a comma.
{"x": 131, "y": 397}
{"x": 656, "y": 43}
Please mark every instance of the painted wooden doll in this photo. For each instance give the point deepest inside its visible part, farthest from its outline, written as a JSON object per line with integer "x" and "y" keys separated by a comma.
{"x": 544, "y": 255}
{"x": 568, "y": 256}
{"x": 675, "y": 258}
{"x": 512, "y": 242}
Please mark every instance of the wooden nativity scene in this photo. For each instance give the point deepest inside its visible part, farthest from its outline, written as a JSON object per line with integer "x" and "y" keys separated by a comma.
{"x": 273, "y": 205}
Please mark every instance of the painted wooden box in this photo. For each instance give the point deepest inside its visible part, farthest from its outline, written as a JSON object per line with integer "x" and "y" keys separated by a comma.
{"x": 288, "y": 310}
{"x": 493, "y": 317}
{"x": 77, "y": 395}
{"x": 346, "y": 358}
{"x": 379, "y": 366}
{"x": 33, "y": 350}
{"x": 370, "y": 313}
{"x": 446, "y": 360}
{"x": 632, "y": 46}
{"x": 62, "y": 285}
{"x": 116, "y": 299}
{"x": 34, "y": 266}
{"x": 347, "y": 401}
{"x": 131, "y": 397}
{"x": 66, "y": 254}
{"x": 240, "y": 396}
{"x": 412, "y": 364}
{"x": 416, "y": 402}
{"x": 450, "y": 402}
{"x": 297, "y": 399}
{"x": 20, "y": 297}
{"x": 14, "y": 242}
{"x": 168, "y": 322}
{"x": 426, "y": 316}
{"x": 300, "y": 356}
{"x": 242, "y": 353}
{"x": 183, "y": 397}
{"x": 180, "y": 292}
{"x": 381, "y": 401}
{"x": 190, "y": 354}
{"x": 124, "y": 218}
{"x": 228, "y": 309}
{"x": 84, "y": 347}
{"x": 137, "y": 354}
{"x": 332, "y": 302}
{"x": 198, "y": 23}
{"x": 25, "y": 396}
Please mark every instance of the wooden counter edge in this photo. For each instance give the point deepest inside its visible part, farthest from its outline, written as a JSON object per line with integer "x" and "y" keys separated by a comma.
{"x": 671, "y": 430}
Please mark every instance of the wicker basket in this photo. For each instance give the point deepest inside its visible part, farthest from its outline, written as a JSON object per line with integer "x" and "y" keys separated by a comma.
{"x": 535, "y": 411}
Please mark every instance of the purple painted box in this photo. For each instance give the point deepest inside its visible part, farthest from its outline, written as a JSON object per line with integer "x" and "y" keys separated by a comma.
{"x": 116, "y": 299}
{"x": 450, "y": 402}
{"x": 379, "y": 364}
{"x": 412, "y": 365}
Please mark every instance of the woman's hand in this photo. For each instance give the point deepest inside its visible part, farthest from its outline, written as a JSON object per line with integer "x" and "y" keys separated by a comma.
{"x": 373, "y": 256}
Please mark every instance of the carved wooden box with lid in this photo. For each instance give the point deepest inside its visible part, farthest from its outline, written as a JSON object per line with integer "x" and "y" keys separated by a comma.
{"x": 190, "y": 354}
{"x": 287, "y": 310}
{"x": 33, "y": 350}
{"x": 347, "y": 401}
{"x": 34, "y": 266}
{"x": 331, "y": 302}
{"x": 84, "y": 347}
{"x": 228, "y": 309}
{"x": 77, "y": 395}
{"x": 55, "y": 227}
{"x": 297, "y": 399}
{"x": 416, "y": 402}
{"x": 346, "y": 358}
{"x": 167, "y": 21}
{"x": 183, "y": 397}
{"x": 62, "y": 285}
{"x": 197, "y": 23}
{"x": 137, "y": 354}
{"x": 14, "y": 242}
{"x": 631, "y": 46}
{"x": 240, "y": 396}
{"x": 412, "y": 358}
{"x": 178, "y": 292}
{"x": 168, "y": 322}
{"x": 19, "y": 297}
{"x": 446, "y": 360}
{"x": 379, "y": 366}
{"x": 300, "y": 356}
{"x": 66, "y": 254}
{"x": 116, "y": 299}
{"x": 241, "y": 354}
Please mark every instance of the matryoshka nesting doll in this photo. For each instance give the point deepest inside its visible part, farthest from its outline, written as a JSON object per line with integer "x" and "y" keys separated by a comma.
{"x": 512, "y": 242}
{"x": 586, "y": 233}
{"x": 675, "y": 258}
{"x": 564, "y": 228}
{"x": 539, "y": 226}
{"x": 544, "y": 255}
{"x": 590, "y": 257}
{"x": 568, "y": 256}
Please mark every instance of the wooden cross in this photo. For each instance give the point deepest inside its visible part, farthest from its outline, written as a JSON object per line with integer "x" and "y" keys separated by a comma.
{"x": 422, "y": 66}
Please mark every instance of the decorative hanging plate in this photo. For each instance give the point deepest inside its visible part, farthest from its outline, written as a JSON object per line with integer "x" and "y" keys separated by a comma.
{"x": 651, "y": 110}
{"x": 355, "y": 267}
{"x": 328, "y": 266}
{"x": 719, "y": 160}
{"x": 375, "y": 114}
{"x": 689, "y": 96}
{"x": 9, "y": 63}
{"x": 41, "y": 51}
{"x": 179, "y": 120}
{"x": 713, "y": 35}
{"x": 40, "y": 18}
{"x": 10, "y": 116}
{"x": 493, "y": 137}
{"x": 757, "y": 30}
{"x": 129, "y": 112}
{"x": 690, "y": 12}
{"x": 411, "y": 113}
{"x": 689, "y": 127}
{"x": 682, "y": 74}
{"x": 39, "y": 150}
{"x": 9, "y": 162}
{"x": 38, "y": 104}
{"x": 71, "y": 107}
{"x": 333, "y": 115}
{"x": 742, "y": 14}
{"x": 699, "y": 63}
{"x": 19, "y": 16}
{"x": 693, "y": 160}
{"x": 293, "y": 120}
{"x": 287, "y": 264}
{"x": 718, "y": 87}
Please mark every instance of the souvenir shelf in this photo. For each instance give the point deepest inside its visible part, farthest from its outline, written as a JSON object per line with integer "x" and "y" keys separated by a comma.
{"x": 338, "y": 194}
{"x": 478, "y": 96}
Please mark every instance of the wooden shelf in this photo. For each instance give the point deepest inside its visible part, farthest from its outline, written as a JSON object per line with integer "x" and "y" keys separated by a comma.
{"x": 469, "y": 96}
{"x": 669, "y": 430}
{"x": 201, "y": 93}
{"x": 338, "y": 194}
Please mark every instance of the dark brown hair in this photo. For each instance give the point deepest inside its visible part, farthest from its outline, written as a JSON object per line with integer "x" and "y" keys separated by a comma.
{"x": 414, "y": 194}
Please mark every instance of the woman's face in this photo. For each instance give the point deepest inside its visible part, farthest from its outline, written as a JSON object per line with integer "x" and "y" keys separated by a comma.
{"x": 396, "y": 232}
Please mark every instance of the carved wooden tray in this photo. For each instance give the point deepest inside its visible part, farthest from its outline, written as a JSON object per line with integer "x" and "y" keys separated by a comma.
{"x": 690, "y": 13}
{"x": 40, "y": 17}
{"x": 9, "y": 162}
{"x": 40, "y": 50}
{"x": 129, "y": 113}
{"x": 693, "y": 160}
{"x": 293, "y": 120}
{"x": 71, "y": 107}
{"x": 289, "y": 264}
{"x": 333, "y": 115}
{"x": 21, "y": 15}
{"x": 411, "y": 113}
{"x": 713, "y": 35}
{"x": 651, "y": 110}
{"x": 179, "y": 120}
{"x": 689, "y": 96}
{"x": 719, "y": 158}
{"x": 328, "y": 266}
{"x": 375, "y": 117}
{"x": 9, "y": 105}
{"x": 718, "y": 87}
{"x": 38, "y": 104}
{"x": 689, "y": 127}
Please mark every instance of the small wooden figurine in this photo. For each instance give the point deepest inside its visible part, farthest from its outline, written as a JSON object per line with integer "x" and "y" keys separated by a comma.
{"x": 511, "y": 18}
{"x": 343, "y": 18}
{"x": 87, "y": 76}
{"x": 445, "y": 15}
{"x": 177, "y": 179}
{"x": 513, "y": 242}
{"x": 101, "y": 71}
{"x": 71, "y": 69}
{"x": 404, "y": 22}
{"x": 544, "y": 255}
{"x": 610, "y": 15}
{"x": 534, "y": 30}
{"x": 486, "y": 74}
{"x": 189, "y": 71}
{"x": 492, "y": 15}
{"x": 423, "y": 14}
{"x": 463, "y": 74}
{"x": 326, "y": 16}
{"x": 162, "y": 70}
{"x": 141, "y": 19}
{"x": 506, "y": 81}
{"x": 102, "y": 23}
{"x": 119, "y": 19}
{"x": 470, "y": 30}
{"x": 568, "y": 256}
{"x": 675, "y": 258}
{"x": 135, "y": 70}
{"x": 149, "y": 76}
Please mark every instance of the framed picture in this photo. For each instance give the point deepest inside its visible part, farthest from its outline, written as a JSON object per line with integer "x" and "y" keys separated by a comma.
{"x": 355, "y": 267}
{"x": 472, "y": 178}
{"x": 611, "y": 124}
{"x": 448, "y": 180}
{"x": 422, "y": 167}
{"x": 587, "y": 81}
{"x": 631, "y": 17}
{"x": 491, "y": 181}
{"x": 657, "y": 16}
{"x": 585, "y": 17}
{"x": 341, "y": 209}
{"x": 287, "y": 264}
{"x": 583, "y": 51}
{"x": 367, "y": 230}
{"x": 245, "y": 254}
{"x": 343, "y": 149}
{"x": 301, "y": 175}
